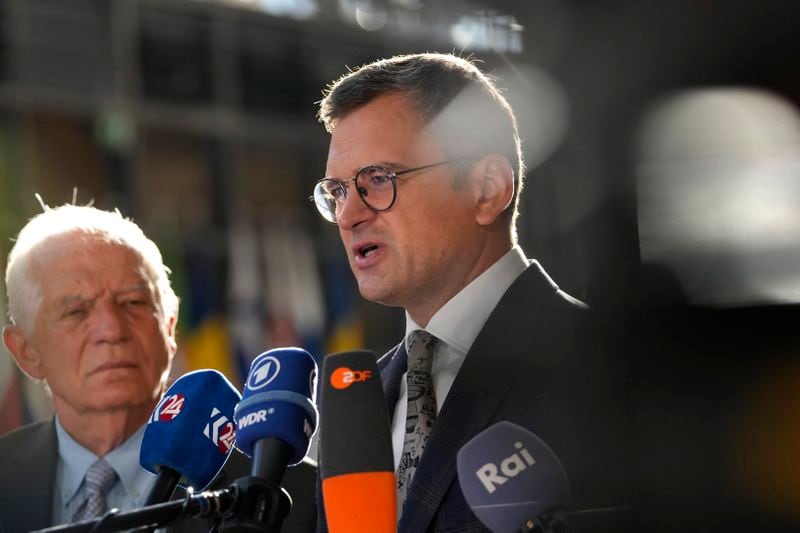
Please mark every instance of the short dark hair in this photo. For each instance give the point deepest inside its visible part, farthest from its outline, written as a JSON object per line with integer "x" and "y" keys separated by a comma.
{"x": 478, "y": 121}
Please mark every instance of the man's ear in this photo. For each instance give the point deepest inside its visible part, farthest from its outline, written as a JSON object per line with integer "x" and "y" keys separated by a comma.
{"x": 172, "y": 327}
{"x": 26, "y": 357}
{"x": 493, "y": 179}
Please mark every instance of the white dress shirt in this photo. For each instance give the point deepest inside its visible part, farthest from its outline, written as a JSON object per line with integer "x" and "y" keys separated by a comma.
{"x": 130, "y": 490}
{"x": 457, "y": 325}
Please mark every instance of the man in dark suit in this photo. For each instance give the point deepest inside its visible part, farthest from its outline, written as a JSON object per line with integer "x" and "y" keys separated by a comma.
{"x": 424, "y": 173}
{"x": 93, "y": 316}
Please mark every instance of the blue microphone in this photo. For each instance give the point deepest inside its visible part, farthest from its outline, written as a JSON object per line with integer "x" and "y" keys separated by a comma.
{"x": 510, "y": 477}
{"x": 277, "y": 417}
{"x": 190, "y": 433}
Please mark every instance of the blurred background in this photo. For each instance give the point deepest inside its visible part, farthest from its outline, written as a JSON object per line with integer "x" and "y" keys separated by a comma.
{"x": 662, "y": 142}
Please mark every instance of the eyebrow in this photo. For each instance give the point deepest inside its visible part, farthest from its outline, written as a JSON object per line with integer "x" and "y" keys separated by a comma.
{"x": 382, "y": 164}
{"x": 73, "y": 298}
{"x": 69, "y": 299}
{"x": 133, "y": 288}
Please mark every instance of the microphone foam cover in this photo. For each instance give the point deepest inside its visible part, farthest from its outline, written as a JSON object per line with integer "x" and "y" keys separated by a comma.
{"x": 356, "y": 460}
{"x": 509, "y": 475}
{"x": 278, "y": 401}
{"x": 191, "y": 429}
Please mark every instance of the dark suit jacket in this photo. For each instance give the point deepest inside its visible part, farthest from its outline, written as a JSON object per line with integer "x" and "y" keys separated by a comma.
{"x": 27, "y": 473}
{"x": 538, "y": 363}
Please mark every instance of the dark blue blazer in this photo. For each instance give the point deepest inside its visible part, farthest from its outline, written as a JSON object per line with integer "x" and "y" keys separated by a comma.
{"x": 537, "y": 362}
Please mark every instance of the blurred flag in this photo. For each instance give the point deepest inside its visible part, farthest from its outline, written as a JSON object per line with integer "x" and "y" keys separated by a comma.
{"x": 204, "y": 332}
{"x": 245, "y": 295}
{"x": 295, "y": 301}
{"x": 345, "y": 329}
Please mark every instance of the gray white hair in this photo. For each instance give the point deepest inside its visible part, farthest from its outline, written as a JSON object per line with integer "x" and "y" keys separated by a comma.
{"x": 24, "y": 291}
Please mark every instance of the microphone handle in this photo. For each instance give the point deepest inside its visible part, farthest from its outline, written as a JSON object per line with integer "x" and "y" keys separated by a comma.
{"x": 200, "y": 505}
{"x": 264, "y": 504}
{"x": 560, "y": 521}
{"x": 164, "y": 487}
{"x": 270, "y": 458}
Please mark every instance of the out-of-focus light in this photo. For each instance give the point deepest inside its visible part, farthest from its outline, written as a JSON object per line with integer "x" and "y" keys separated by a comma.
{"x": 542, "y": 109}
{"x": 718, "y": 185}
{"x": 371, "y": 18}
{"x": 484, "y": 32}
{"x": 296, "y": 9}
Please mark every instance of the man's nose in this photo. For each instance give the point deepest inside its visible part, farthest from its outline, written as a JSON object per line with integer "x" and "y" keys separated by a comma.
{"x": 353, "y": 210}
{"x": 109, "y": 322}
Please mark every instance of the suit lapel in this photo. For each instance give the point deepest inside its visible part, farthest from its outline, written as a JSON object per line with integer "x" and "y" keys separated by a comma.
{"x": 483, "y": 381}
{"x": 37, "y": 466}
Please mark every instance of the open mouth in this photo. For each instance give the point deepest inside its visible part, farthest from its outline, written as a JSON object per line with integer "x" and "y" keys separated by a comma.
{"x": 368, "y": 250}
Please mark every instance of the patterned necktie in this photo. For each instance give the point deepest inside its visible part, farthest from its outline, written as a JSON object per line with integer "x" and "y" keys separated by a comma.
{"x": 421, "y": 411}
{"x": 98, "y": 482}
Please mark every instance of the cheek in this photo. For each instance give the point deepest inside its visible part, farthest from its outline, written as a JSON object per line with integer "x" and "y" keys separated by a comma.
{"x": 155, "y": 342}
{"x": 60, "y": 356}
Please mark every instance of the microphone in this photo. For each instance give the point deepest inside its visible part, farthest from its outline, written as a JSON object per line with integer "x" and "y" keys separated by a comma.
{"x": 275, "y": 422}
{"x": 190, "y": 433}
{"x": 277, "y": 416}
{"x": 513, "y": 481}
{"x": 277, "y": 419}
{"x": 356, "y": 464}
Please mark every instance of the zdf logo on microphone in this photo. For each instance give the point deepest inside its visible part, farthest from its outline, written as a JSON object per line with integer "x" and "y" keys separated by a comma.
{"x": 343, "y": 377}
{"x": 168, "y": 408}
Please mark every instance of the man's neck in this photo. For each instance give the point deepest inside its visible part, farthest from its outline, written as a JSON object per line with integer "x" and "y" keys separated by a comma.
{"x": 102, "y": 431}
{"x": 429, "y": 302}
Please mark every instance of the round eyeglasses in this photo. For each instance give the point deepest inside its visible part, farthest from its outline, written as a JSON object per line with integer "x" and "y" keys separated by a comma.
{"x": 377, "y": 187}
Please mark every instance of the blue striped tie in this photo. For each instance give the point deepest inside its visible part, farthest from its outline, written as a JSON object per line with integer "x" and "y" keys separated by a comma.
{"x": 98, "y": 481}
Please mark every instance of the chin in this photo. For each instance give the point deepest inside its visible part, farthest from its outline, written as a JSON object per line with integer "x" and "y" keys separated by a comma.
{"x": 372, "y": 294}
{"x": 126, "y": 399}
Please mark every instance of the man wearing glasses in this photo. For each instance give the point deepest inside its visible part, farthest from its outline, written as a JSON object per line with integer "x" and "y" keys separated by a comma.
{"x": 424, "y": 173}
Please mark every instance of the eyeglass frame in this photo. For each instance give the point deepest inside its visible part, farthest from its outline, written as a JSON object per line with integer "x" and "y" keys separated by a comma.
{"x": 390, "y": 173}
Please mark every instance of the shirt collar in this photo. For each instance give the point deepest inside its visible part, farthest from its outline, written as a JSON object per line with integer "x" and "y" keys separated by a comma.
{"x": 458, "y": 322}
{"x": 76, "y": 459}
{"x": 124, "y": 459}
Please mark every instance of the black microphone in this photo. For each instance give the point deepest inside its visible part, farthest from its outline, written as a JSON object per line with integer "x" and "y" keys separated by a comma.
{"x": 514, "y": 482}
{"x": 511, "y": 478}
{"x": 356, "y": 460}
{"x": 190, "y": 433}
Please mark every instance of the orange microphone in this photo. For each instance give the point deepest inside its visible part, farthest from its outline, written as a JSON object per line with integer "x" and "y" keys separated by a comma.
{"x": 356, "y": 462}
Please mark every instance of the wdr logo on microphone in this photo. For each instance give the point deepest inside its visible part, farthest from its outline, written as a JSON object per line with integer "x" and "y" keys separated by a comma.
{"x": 263, "y": 373}
{"x": 343, "y": 377}
{"x": 255, "y": 417}
{"x": 168, "y": 408}
{"x": 220, "y": 431}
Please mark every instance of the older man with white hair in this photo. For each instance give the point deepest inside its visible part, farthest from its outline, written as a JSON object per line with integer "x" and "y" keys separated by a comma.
{"x": 93, "y": 316}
